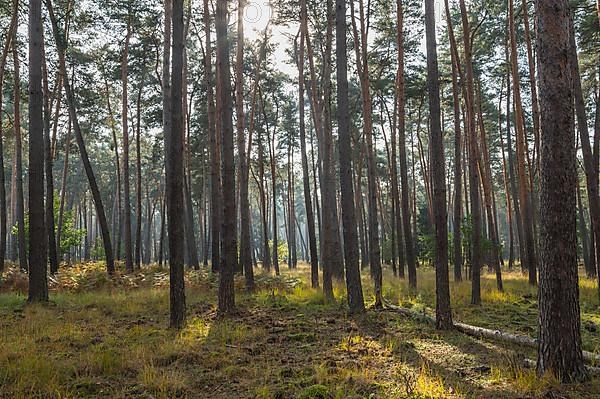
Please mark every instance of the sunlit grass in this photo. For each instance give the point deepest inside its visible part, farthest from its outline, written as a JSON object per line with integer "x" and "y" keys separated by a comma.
{"x": 105, "y": 338}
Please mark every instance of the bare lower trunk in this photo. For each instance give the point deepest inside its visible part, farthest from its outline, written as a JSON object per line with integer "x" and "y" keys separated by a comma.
{"x": 559, "y": 349}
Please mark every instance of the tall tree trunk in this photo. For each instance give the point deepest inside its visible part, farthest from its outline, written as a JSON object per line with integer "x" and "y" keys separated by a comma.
{"x": 138, "y": 167}
{"x": 507, "y": 190}
{"x": 473, "y": 156}
{"x": 442, "y": 285}
{"x": 272, "y": 161}
{"x": 353, "y": 283}
{"x": 19, "y": 159}
{"x": 48, "y": 161}
{"x": 125, "y": 126}
{"x": 166, "y": 114}
{"x": 38, "y": 282}
{"x": 224, "y": 110}
{"x": 215, "y": 159}
{"x": 310, "y": 218}
{"x": 174, "y": 172}
{"x": 559, "y": 349}
{"x": 458, "y": 211}
{"x": 3, "y": 205}
{"x": 511, "y": 160}
{"x": 117, "y": 225}
{"x": 486, "y": 179}
{"x": 590, "y": 151}
{"x": 63, "y": 191}
{"x": 61, "y": 44}
{"x": 327, "y": 226}
{"x": 535, "y": 109}
{"x": 245, "y": 244}
{"x": 328, "y": 166}
{"x": 363, "y": 72}
{"x": 524, "y": 194}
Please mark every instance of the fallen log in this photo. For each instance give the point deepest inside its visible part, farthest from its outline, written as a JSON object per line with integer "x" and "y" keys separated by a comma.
{"x": 480, "y": 332}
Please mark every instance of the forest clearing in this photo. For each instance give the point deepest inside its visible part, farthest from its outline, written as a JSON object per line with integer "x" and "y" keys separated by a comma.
{"x": 98, "y": 338}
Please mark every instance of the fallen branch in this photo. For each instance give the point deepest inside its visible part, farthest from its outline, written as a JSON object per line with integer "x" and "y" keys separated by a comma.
{"x": 480, "y": 332}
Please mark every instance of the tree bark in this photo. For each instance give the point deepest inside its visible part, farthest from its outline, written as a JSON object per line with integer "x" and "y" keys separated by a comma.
{"x": 363, "y": 72}
{"x": 48, "y": 161}
{"x": 473, "y": 157}
{"x": 22, "y": 247}
{"x": 458, "y": 211}
{"x": 310, "y": 217}
{"x": 559, "y": 349}
{"x": 3, "y": 206}
{"x": 138, "y": 167}
{"x": 125, "y": 126}
{"x": 38, "y": 282}
{"x": 174, "y": 173}
{"x": 353, "y": 282}
{"x": 443, "y": 312}
{"x": 245, "y": 242}
{"x": 215, "y": 159}
{"x": 224, "y": 110}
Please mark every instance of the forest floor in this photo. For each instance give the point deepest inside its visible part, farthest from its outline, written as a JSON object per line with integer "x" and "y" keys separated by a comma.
{"x": 109, "y": 338}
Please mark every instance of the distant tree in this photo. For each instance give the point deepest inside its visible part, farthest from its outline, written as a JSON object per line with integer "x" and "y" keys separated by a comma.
{"x": 3, "y": 58}
{"x": 61, "y": 44}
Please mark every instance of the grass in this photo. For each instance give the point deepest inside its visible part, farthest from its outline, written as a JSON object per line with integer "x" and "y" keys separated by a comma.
{"x": 108, "y": 339}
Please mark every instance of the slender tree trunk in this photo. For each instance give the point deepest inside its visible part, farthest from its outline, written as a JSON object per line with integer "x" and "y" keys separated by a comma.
{"x": 473, "y": 156}
{"x": 273, "y": 188}
{"x": 63, "y": 191}
{"x": 486, "y": 179}
{"x": 310, "y": 218}
{"x": 174, "y": 172}
{"x": 353, "y": 282}
{"x": 118, "y": 227}
{"x": 438, "y": 168}
{"x": 458, "y": 211}
{"x": 38, "y": 282}
{"x": 511, "y": 161}
{"x": 125, "y": 125}
{"x": 61, "y": 44}
{"x": 328, "y": 160}
{"x": 559, "y": 349}
{"x": 524, "y": 194}
{"x": 584, "y": 235}
{"x": 19, "y": 160}
{"x": 48, "y": 161}
{"x": 3, "y": 205}
{"x": 363, "y": 72}
{"x": 535, "y": 109}
{"x": 215, "y": 159}
{"x": 590, "y": 151}
{"x": 138, "y": 164}
{"x": 224, "y": 110}
{"x": 245, "y": 244}
{"x": 327, "y": 234}
{"x": 507, "y": 191}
